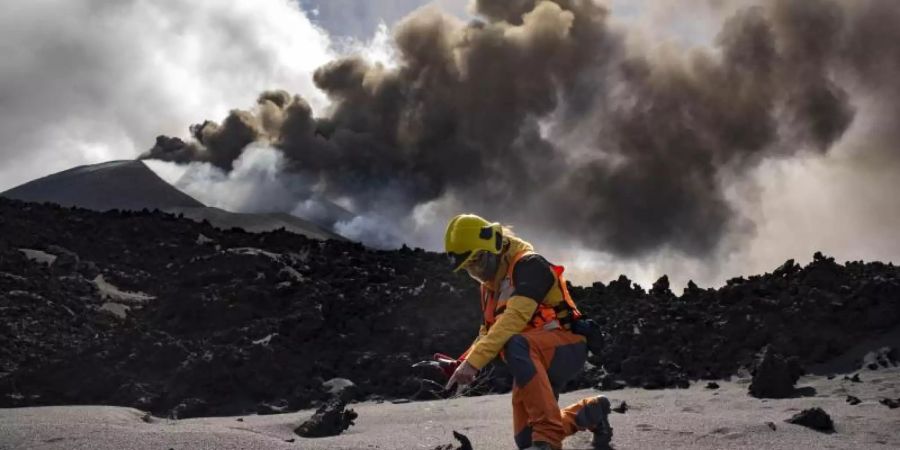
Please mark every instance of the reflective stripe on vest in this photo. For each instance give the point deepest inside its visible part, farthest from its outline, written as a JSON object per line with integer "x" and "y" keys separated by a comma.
{"x": 544, "y": 317}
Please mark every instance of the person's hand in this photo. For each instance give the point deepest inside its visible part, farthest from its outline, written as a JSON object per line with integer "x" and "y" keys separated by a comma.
{"x": 447, "y": 364}
{"x": 463, "y": 375}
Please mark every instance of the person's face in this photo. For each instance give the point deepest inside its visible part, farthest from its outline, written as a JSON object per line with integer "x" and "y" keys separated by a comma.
{"x": 483, "y": 266}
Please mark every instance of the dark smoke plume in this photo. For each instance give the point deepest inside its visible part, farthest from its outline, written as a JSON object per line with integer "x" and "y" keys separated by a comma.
{"x": 540, "y": 114}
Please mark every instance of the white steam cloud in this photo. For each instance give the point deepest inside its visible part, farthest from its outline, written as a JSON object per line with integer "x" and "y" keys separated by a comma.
{"x": 257, "y": 183}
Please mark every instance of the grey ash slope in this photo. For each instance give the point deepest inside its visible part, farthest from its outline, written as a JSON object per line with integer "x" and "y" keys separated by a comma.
{"x": 694, "y": 418}
{"x": 131, "y": 185}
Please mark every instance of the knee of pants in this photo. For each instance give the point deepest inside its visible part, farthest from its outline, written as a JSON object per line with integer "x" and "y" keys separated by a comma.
{"x": 568, "y": 361}
{"x": 518, "y": 358}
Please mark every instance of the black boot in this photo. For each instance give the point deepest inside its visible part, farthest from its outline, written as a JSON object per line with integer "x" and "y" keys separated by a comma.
{"x": 598, "y": 413}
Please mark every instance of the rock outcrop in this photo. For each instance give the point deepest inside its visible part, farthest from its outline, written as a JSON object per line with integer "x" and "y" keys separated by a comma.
{"x": 175, "y": 317}
{"x": 775, "y": 376}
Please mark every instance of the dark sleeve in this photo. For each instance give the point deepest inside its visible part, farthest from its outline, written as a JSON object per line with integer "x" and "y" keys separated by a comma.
{"x": 533, "y": 277}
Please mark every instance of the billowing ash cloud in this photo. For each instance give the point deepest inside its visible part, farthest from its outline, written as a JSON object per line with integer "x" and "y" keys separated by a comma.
{"x": 539, "y": 113}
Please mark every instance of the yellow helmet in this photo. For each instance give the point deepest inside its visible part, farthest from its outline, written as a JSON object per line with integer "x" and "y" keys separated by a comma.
{"x": 467, "y": 234}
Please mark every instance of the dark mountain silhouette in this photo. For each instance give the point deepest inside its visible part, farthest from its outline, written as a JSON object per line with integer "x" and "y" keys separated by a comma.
{"x": 126, "y": 185}
{"x": 131, "y": 185}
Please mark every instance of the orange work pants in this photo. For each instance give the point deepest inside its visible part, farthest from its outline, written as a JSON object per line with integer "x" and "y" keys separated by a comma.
{"x": 542, "y": 362}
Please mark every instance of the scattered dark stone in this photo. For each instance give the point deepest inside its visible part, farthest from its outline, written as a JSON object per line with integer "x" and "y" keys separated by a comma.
{"x": 622, "y": 408}
{"x": 712, "y": 385}
{"x": 854, "y": 378}
{"x": 331, "y": 419}
{"x": 830, "y": 376}
{"x": 775, "y": 376}
{"x": 890, "y": 403}
{"x": 853, "y": 400}
{"x": 806, "y": 391}
{"x": 290, "y": 440}
{"x": 240, "y": 419}
{"x": 400, "y": 401}
{"x": 814, "y": 418}
{"x": 464, "y": 443}
{"x": 772, "y": 426}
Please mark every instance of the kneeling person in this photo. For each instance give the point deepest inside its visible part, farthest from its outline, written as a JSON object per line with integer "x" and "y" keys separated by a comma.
{"x": 527, "y": 319}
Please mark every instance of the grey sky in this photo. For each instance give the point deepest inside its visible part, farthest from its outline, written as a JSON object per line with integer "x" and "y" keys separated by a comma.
{"x": 360, "y": 18}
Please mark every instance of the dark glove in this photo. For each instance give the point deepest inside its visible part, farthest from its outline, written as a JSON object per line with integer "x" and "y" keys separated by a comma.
{"x": 593, "y": 332}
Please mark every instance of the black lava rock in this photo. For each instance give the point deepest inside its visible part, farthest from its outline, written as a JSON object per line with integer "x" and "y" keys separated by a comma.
{"x": 854, "y": 378}
{"x": 853, "y": 400}
{"x": 233, "y": 322}
{"x": 331, "y": 419}
{"x": 815, "y": 418}
{"x": 464, "y": 443}
{"x": 775, "y": 376}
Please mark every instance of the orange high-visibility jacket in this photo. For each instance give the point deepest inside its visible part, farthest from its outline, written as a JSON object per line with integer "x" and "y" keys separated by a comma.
{"x": 508, "y": 312}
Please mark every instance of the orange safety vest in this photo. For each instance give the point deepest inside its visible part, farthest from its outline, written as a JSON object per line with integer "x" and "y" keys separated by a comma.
{"x": 545, "y": 316}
